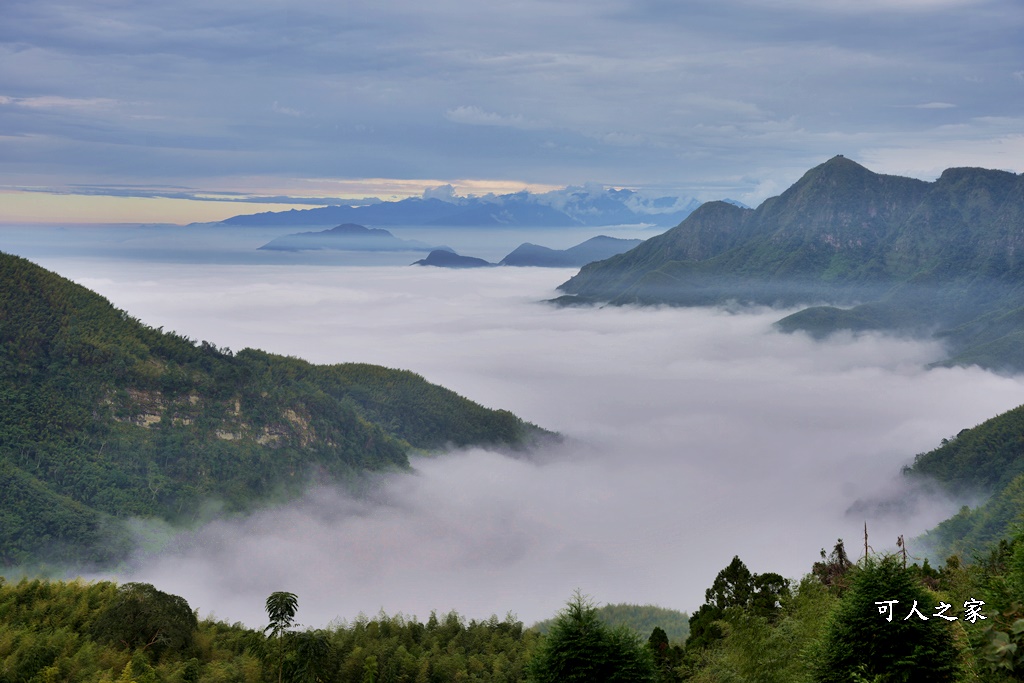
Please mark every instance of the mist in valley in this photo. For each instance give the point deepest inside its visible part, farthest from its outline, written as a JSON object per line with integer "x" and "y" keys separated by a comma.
{"x": 691, "y": 436}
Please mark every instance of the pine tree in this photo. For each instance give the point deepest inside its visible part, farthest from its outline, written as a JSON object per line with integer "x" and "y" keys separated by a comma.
{"x": 900, "y": 646}
{"x": 580, "y": 647}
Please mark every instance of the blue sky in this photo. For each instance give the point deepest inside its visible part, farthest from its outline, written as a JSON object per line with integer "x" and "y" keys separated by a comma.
{"x": 103, "y": 99}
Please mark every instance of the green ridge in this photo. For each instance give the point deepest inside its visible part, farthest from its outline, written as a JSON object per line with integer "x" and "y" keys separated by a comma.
{"x": 883, "y": 252}
{"x": 104, "y": 418}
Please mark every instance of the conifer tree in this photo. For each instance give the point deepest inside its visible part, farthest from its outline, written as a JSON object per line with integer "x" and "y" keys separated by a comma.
{"x": 898, "y": 645}
{"x": 581, "y": 648}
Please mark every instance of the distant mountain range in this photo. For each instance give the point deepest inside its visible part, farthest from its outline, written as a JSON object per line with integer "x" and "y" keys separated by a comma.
{"x": 573, "y": 206}
{"x": 526, "y": 254}
{"x": 347, "y": 237}
{"x": 594, "y": 249}
{"x": 883, "y": 252}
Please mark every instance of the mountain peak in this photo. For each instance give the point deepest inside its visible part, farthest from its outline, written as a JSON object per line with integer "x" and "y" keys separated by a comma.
{"x": 841, "y": 167}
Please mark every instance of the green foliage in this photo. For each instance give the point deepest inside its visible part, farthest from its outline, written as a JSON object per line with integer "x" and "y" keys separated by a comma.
{"x": 982, "y": 459}
{"x": 54, "y": 631}
{"x": 735, "y": 589}
{"x": 834, "y": 568}
{"x": 639, "y": 618}
{"x": 142, "y": 618}
{"x": 859, "y": 641}
{"x": 281, "y": 608}
{"x": 986, "y": 460}
{"x": 580, "y": 647}
{"x": 752, "y": 648}
{"x": 105, "y": 418}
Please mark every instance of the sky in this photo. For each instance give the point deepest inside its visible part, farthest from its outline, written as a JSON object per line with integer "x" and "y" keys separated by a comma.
{"x": 124, "y": 111}
{"x": 691, "y": 436}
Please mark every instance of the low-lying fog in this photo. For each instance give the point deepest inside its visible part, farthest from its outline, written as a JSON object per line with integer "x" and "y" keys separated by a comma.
{"x": 694, "y": 435}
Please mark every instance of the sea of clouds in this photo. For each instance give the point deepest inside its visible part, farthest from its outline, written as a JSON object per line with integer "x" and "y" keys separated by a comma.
{"x": 692, "y": 435}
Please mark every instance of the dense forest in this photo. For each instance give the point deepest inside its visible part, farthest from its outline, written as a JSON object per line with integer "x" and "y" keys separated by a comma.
{"x": 872, "y": 620}
{"x": 985, "y": 463}
{"x": 105, "y": 418}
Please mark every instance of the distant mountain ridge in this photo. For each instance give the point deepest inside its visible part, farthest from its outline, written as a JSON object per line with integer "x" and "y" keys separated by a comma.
{"x": 348, "y": 237}
{"x": 535, "y": 255}
{"x": 885, "y": 252}
{"x": 571, "y": 207}
{"x": 594, "y": 249}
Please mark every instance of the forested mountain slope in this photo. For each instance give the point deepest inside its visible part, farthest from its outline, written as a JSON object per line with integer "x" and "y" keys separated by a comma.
{"x": 883, "y": 252}
{"x": 986, "y": 461}
{"x": 104, "y": 418}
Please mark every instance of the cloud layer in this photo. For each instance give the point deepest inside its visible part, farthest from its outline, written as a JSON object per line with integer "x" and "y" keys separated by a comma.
{"x": 709, "y": 99}
{"x": 693, "y": 436}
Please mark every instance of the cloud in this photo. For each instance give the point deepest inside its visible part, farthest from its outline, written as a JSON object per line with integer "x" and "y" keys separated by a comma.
{"x": 475, "y": 116}
{"x": 287, "y": 111}
{"x": 925, "y": 156}
{"x": 445, "y": 193}
{"x": 693, "y": 435}
{"x": 637, "y": 94}
{"x": 58, "y": 102}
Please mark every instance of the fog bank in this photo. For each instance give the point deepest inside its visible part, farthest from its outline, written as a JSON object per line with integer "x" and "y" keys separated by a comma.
{"x": 693, "y": 435}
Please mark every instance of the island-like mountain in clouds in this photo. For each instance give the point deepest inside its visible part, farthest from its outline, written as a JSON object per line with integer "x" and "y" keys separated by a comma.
{"x": 449, "y": 259}
{"x": 105, "y": 419}
{"x": 535, "y": 255}
{"x": 882, "y": 252}
{"x": 594, "y": 249}
{"x": 346, "y": 237}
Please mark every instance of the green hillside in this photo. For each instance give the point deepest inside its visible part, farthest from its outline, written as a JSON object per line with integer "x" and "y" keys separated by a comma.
{"x": 880, "y": 252}
{"x": 640, "y": 618}
{"x": 986, "y": 462}
{"x": 104, "y": 418}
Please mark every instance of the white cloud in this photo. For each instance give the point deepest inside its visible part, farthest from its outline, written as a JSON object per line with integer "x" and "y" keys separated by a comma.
{"x": 58, "y": 102}
{"x": 475, "y": 116}
{"x": 694, "y": 435}
{"x": 931, "y": 156}
{"x": 287, "y": 111}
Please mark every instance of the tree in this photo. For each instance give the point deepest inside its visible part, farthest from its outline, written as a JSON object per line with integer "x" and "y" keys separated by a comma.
{"x": 281, "y": 608}
{"x": 142, "y": 617}
{"x": 833, "y": 569}
{"x": 899, "y": 646}
{"x": 736, "y": 588}
{"x": 580, "y": 647}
